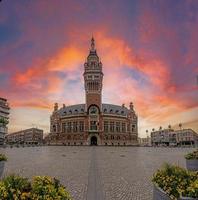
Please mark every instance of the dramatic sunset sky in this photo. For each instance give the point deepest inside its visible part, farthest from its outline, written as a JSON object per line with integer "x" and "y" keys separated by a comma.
{"x": 149, "y": 51}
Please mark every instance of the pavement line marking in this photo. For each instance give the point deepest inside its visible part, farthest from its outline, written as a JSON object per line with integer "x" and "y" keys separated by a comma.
{"x": 94, "y": 189}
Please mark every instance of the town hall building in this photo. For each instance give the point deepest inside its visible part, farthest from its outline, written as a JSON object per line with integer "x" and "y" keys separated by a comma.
{"x": 93, "y": 123}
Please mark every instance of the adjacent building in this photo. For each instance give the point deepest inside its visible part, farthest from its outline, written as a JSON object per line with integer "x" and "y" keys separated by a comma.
{"x": 186, "y": 137}
{"x": 95, "y": 122}
{"x": 160, "y": 137}
{"x": 145, "y": 142}
{"x": 170, "y": 137}
{"x": 28, "y": 136}
{"x": 4, "y": 119}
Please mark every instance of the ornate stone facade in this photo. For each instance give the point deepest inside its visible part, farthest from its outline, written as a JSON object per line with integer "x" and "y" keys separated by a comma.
{"x": 4, "y": 119}
{"x": 27, "y": 136}
{"x": 93, "y": 123}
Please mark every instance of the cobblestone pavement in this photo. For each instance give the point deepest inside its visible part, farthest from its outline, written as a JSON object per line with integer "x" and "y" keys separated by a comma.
{"x": 95, "y": 173}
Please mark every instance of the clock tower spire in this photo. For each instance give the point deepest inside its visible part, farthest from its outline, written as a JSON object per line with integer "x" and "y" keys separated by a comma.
{"x": 93, "y": 77}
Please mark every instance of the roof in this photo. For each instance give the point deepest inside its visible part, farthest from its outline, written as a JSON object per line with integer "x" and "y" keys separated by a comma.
{"x": 106, "y": 109}
{"x": 3, "y": 99}
{"x": 114, "y": 109}
{"x": 24, "y": 131}
{"x": 72, "y": 110}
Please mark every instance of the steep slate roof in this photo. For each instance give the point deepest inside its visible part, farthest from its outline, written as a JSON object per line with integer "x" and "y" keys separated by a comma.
{"x": 114, "y": 109}
{"x": 72, "y": 110}
{"x": 106, "y": 109}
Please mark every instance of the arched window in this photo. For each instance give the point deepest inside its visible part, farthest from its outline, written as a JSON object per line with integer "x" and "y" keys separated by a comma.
{"x": 63, "y": 127}
{"x": 93, "y": 125}
{"x": 81, "y": 126}
{"x": 54, "y": 128}
{"x": 106, "y": 126}
{"x": 93, "y": 64}
{"x": 123, "y": 127}
{"x": 81, "y": 137}
{"x": 93, "y": 110}
{"x": 69, "y": 127}
{"x": 96, "y": 86}
{"x": 75, "y": 126}
{"x": 117, "y": 126}
{"x": 111, "y": 126}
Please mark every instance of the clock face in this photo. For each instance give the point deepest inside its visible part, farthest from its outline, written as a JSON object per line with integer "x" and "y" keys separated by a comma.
{"x": 93, "y": 110}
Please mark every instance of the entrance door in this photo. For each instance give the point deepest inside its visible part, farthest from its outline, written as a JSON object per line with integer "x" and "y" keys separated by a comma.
{"x": 93, "y": 140}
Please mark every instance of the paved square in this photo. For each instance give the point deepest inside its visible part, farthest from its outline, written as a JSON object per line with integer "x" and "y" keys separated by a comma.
{"x": 95, "y": 173}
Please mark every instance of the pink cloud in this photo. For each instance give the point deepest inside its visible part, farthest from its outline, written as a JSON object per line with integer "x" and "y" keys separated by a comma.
{"x": 114, "y": 53}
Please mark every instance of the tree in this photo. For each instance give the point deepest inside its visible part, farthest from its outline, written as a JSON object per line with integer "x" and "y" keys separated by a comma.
{"x": 169, "y": 126}
{"x": 147, "y": 133}
{"x": 160, "y": 128}
{"x": 3, "y": 122}
{"x": 153, "y": 129}
{"x": 180, "y": 125}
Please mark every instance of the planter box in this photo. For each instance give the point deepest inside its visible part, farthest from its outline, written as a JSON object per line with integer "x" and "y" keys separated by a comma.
{"x": 192, "y": 165}
{"x": 159, "y": 194}
{"x": 1, "y": 167}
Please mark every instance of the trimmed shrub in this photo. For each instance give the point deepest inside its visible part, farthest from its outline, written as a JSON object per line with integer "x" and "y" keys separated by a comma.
{"x": 176, "y": 181}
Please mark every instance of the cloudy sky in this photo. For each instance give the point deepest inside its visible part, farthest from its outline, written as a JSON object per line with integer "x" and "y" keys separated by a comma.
{"x": 149, "y": 51}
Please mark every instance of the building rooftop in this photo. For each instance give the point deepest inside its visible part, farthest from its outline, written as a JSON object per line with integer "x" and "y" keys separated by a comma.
{"x": 106, "y": 109}
{"x": 4, "y": 104}
{"x": 25, "y": 130}
{"x": 2, "y": 99}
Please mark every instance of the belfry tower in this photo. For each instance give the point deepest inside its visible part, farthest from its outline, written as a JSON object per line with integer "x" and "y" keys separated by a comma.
{"x": 93, "y": 77}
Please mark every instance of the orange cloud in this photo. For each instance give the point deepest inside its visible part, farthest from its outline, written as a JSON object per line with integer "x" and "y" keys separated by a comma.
{"x": 66, "y": 59}
{"x": 34, "y": 103}
{"x": 159, "y": 94}
{"x": 116, "y": 52}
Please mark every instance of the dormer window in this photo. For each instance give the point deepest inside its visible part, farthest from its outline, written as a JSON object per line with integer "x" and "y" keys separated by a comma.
{"x": 111, "y": 111}
{"x": 122, "y": 112}
{"x": 117, "y": 111}
{"x": 105, "y": 110}
{"x": 76, "y": 111}
{"x": 82, "y": 110}
{"x": 70, "y": 111}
